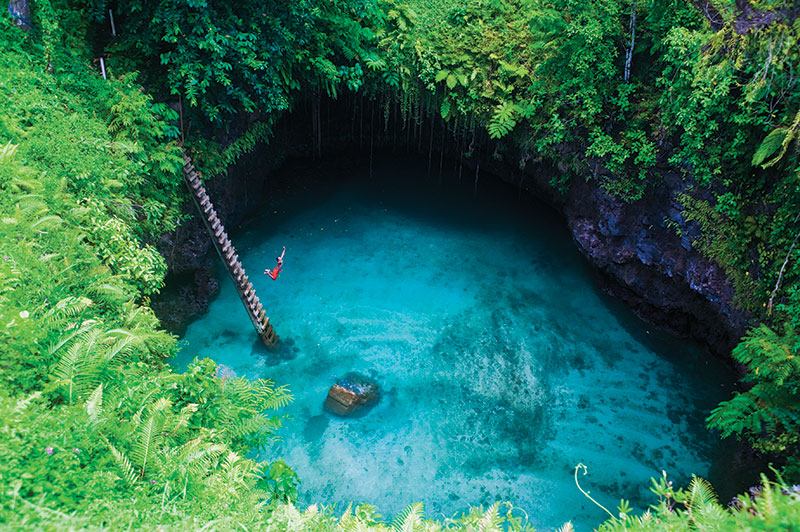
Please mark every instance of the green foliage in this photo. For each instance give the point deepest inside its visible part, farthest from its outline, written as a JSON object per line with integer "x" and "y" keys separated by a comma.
{"x": 767, "y": 413}
{"x": 503, "y": 120}
{"x": 771, "y": 507}
{"x": 224, "y": 58}
{"x": 92, "y": 417}
{"x": 282, "y": 482}
{"x": 211, "y": 160}
{"x": 770, "y": 145}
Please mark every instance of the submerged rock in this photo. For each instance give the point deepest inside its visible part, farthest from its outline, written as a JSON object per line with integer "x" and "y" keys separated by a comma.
{"x": 351, "y": 394}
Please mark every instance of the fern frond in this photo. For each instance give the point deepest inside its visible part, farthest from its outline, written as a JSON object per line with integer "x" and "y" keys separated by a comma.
{"x": 121, "y": 348}
{"x": 503, "y": 120}
{"x": 148, "y": 433}
{"x": 409, "y": 519}
{"x": 66, "y": 309}
{"x": 7, "y": 152}
{"x": 50, "y": 221}
{"x": 94, "y": 404}
{"x": 183, "y": 417}
{"x": 490, "y": 521}
{"x": 700, "y": 494}
{"x": 198, "y": 457}
{"x": 566, "y": 527}
{"x": 77, "y": 366}
{"x": 128, "y": 472}
{"x": 23, "y": 404}
{"x": 107, "y": 290}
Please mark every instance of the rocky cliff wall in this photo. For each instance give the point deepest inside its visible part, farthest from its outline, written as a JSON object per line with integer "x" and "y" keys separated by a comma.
{"x": 642, "y": 261}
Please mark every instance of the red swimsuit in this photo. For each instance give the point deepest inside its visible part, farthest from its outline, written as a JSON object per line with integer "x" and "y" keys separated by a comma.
{"x": 274, "y": 273}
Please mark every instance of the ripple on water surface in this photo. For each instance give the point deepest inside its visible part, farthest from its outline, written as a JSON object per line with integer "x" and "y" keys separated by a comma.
{"x": 500, "y": 364}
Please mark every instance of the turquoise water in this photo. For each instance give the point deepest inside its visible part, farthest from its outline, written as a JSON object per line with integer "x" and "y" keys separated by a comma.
{"x": 501, "y": 365}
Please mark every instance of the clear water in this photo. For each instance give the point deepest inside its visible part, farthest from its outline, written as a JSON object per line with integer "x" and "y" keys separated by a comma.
{"x": 501, "y": 365}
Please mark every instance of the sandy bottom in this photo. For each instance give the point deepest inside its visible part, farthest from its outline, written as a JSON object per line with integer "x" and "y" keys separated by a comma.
{"x": 501, "y": 366}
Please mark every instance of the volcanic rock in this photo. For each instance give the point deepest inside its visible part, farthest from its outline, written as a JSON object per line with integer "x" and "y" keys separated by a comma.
{"x": 351, "y": 394}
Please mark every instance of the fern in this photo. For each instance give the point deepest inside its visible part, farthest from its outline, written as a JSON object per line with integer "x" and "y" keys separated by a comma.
{"x": 768, "y": 413}
{"x": 66, "y": 310}
{"x": 193, "y": 461}
{"x": 409, "y": 519}
{"x": 445, "y": 109}
{"x": 128, "y": 472}
{"x": 491, "y": 520}
{"x": 94, "y": 404}
{"x": 503, "y": 120}
{"x": 23, "y": 404}
{"x": 149, "y": 433}
{"x": 76, "y": 366}
{"x": 700, "y": 494}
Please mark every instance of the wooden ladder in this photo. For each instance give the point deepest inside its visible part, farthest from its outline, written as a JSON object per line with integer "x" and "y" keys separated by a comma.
{"x": 228, "y": 255}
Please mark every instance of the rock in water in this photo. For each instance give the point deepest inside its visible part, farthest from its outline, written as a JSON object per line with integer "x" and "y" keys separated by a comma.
{"x": 350, "y": 394}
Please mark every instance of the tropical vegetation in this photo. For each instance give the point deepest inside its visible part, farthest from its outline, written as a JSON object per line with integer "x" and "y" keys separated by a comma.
{"x": 99, "y": 433}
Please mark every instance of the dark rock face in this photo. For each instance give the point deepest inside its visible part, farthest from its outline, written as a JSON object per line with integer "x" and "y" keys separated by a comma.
{"x": 190, "y": 282}
{"x": 351, "y": 394}
{"x": 185, "y": 298}
{"x": 645, "y": 263}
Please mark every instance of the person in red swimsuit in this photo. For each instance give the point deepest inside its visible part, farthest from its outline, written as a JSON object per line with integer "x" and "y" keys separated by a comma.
{"x": 278, "y": 267}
